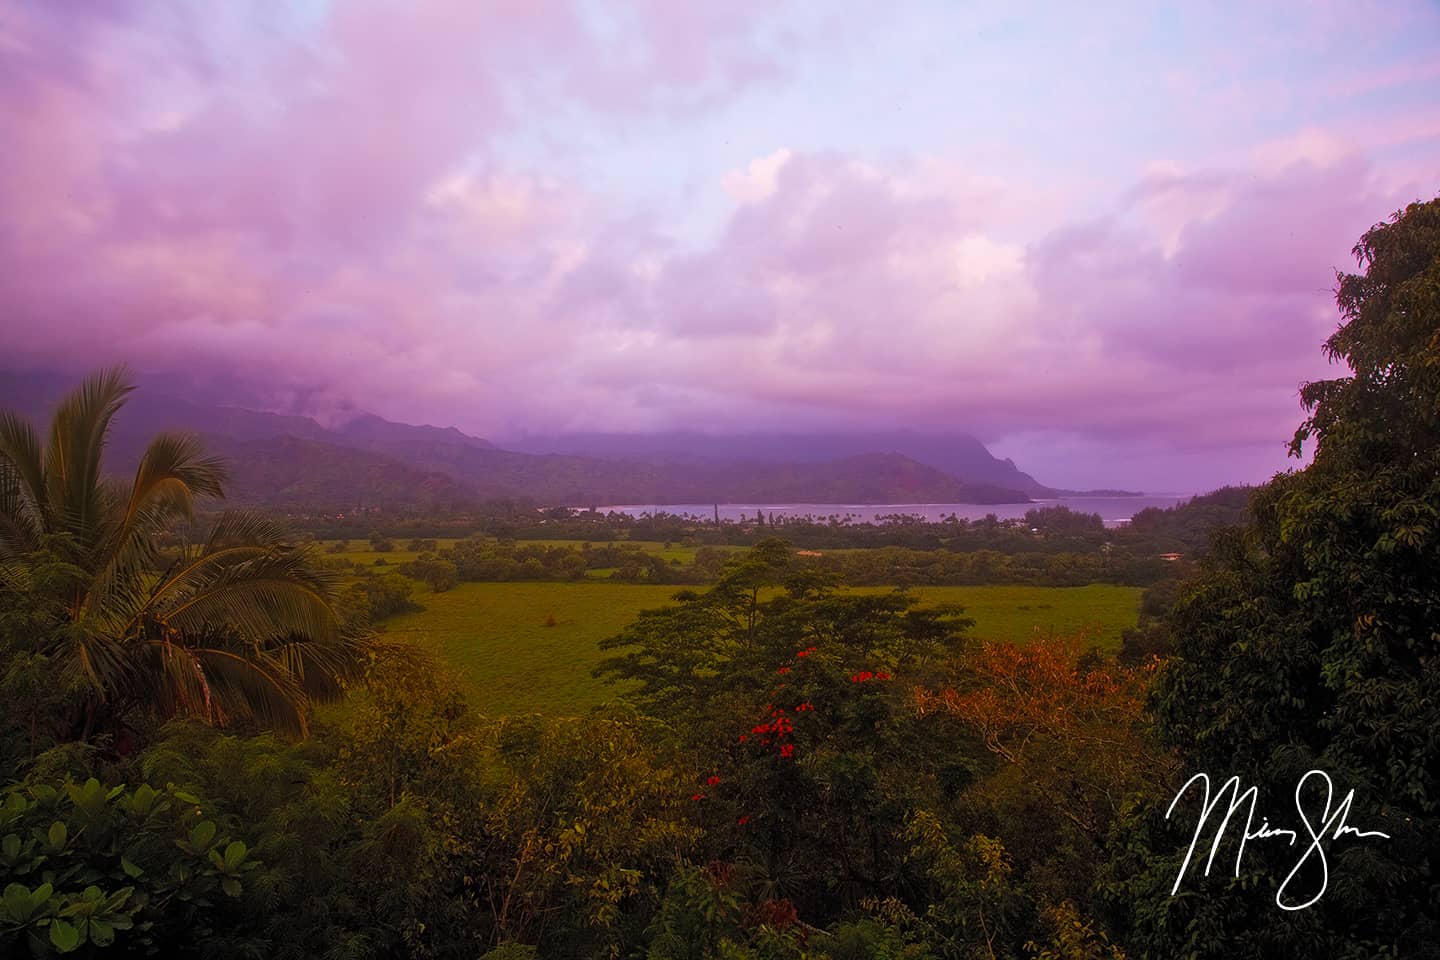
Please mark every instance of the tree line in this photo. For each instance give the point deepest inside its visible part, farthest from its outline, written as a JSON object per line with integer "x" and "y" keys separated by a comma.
{"x": 1184, "y": 528}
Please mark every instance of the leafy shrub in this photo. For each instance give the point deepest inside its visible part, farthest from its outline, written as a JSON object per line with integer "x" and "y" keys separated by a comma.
{"x": 110, "y": 867}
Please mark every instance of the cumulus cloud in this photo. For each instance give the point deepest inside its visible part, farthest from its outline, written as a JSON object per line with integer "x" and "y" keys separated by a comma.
{"x": 757, "y": 181}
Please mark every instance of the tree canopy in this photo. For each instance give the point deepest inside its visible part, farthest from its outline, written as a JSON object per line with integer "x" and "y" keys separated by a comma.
{"x": 1311, "y": 638}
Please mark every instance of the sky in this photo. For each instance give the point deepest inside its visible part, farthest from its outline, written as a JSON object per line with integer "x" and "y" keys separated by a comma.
{"x": 1101, "y": 237}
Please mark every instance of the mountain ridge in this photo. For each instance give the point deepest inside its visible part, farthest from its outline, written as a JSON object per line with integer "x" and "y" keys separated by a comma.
{"x": 961, "y": 455}
{"x": 370, "y": 458}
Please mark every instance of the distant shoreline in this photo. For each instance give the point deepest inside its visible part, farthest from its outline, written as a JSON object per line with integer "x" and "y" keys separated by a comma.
{"x": 1113, "y": 511}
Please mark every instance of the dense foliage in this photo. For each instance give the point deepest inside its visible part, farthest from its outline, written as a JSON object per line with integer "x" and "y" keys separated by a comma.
{"x": 775, "y": 789}
{"x": 1310, "y": 641}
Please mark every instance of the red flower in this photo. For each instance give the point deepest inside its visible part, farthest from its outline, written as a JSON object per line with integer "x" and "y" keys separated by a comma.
{"x": 783, "y": 670}
{"x": 743, "y": 821}
{"x": 787, "y": 750}
{"x": 712, "y": 781}
{"x": 698, "y": 796}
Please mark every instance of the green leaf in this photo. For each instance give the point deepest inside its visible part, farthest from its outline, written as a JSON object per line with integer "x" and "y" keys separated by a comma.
{"x": 117, "y": 899}
{"x": 231, "y": 886}
{"x": 201, "y": 835}
{"x": 235, "y": 853}
{"x": 102, "y": 934}
{"x": 58, "y": 835}
{"x": 15, "y": 902}
{"x": 64, "y": 936}
{"x": 14, "y": 806}
{"x": 131, "y": 869}
{"x": 143, "y": 799}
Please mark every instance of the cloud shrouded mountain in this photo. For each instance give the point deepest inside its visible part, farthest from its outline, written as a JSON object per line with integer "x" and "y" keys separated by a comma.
{"x": 295, "y": 462}
{"x": 957, "y": 454}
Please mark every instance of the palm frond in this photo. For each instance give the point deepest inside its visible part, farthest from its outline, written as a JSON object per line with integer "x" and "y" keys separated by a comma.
{"x": 243, "y": 544}
{"x": 171, "y": 474}
{"x": 242, "y": 685}
{"x": 170, "y": 678}
{"x": 73, "y": 491}
{"x": 14, "y": 575}
{"x": 100, "y": 659}
{"x": 321, "y": 668}
{"x": 260, "y": 601}
{"x": 22, "y": 485}
{"x": 247, "y": 528}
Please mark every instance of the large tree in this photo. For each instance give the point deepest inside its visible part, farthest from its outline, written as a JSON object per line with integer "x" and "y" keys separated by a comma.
{"x": 239, "y": 625}
{"x": 1310, "y": 640}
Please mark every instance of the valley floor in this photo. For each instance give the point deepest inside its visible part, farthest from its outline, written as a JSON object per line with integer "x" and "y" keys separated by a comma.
{"x": 495, "y": 635}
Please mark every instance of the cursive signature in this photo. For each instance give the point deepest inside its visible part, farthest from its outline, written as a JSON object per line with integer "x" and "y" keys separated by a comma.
{"x": 1331, "y": 825}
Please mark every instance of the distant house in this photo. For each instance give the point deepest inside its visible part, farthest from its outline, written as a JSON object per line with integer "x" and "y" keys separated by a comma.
{"x": 808, "y": 553}
{"x": 1172, "y": 557}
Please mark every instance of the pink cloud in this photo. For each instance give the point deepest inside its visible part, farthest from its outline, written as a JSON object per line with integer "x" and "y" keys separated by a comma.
{"x": 343, "y": 230}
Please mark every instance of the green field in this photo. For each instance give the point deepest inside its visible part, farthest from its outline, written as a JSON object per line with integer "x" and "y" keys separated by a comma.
{"x": 495, "y": 635}
{"x": 1099, "y": 611}
{"x": 673, "y": 551}
{"x": 359, "y": 550}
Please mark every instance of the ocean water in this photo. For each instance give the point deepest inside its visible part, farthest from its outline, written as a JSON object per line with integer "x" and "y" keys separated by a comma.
{"x": 1114, "y": 511}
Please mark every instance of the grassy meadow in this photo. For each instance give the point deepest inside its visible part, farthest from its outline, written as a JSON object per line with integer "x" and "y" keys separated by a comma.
{"x": 1016, "y": 613}
{"x": 359, "y": 550}
{"x": 495, "y": 634}
{"x": 665, "y": 551}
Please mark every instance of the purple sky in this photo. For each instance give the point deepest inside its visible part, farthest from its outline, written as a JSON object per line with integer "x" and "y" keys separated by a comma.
{"x": 1099, "y": 236}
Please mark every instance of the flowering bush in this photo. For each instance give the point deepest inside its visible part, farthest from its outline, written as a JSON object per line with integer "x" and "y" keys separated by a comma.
{"x": 815, "y": 784}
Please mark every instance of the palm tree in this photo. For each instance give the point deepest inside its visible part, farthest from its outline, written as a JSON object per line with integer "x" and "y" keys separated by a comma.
{"x": 240, "y": 625}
